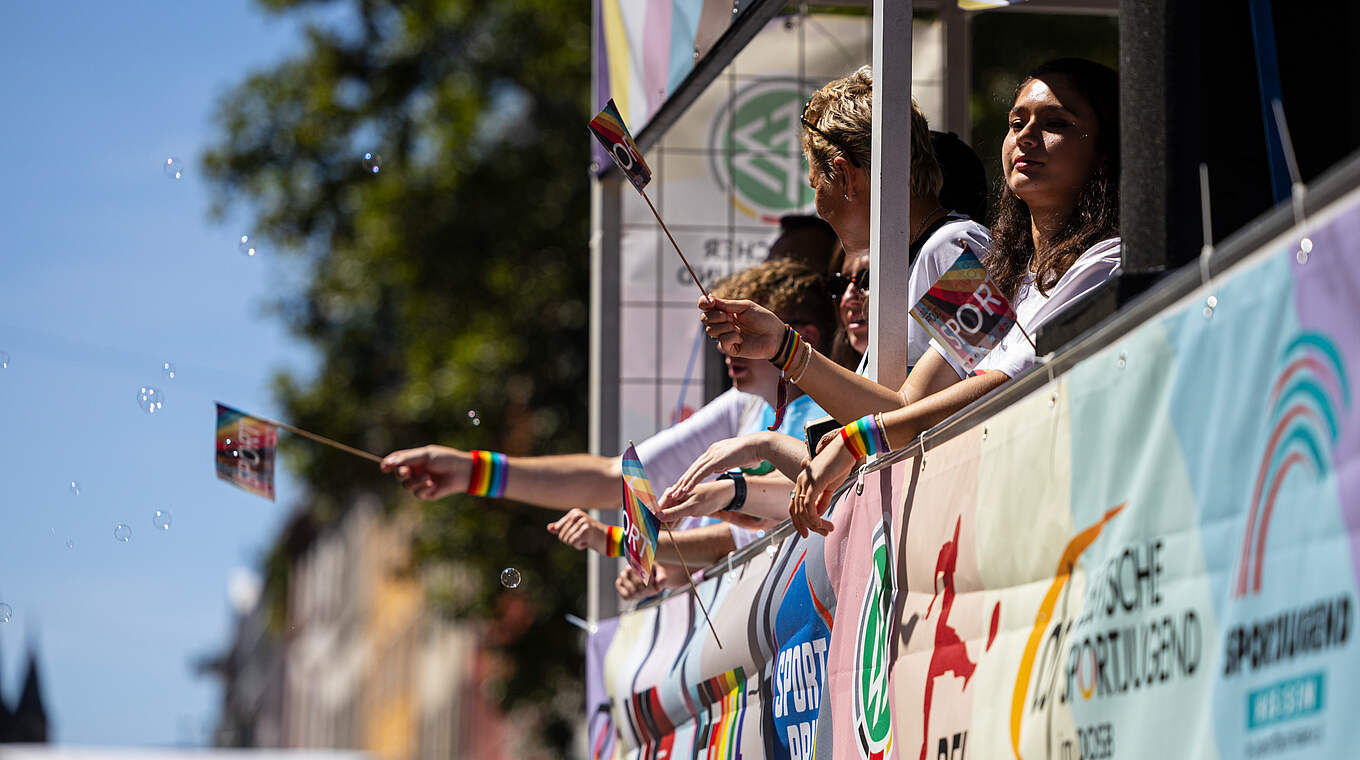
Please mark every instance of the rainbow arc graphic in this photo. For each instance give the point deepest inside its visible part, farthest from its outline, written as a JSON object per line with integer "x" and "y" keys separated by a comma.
{"x": 1303, "y": 414}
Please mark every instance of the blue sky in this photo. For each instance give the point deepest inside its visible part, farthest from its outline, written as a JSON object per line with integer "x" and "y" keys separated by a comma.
{"x": 109, "y": 269}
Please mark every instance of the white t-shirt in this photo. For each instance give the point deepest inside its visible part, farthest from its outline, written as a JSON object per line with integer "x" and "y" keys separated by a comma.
{"x": 1014, "y": 354}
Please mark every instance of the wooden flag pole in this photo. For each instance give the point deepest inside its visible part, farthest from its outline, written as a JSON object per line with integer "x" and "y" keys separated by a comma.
{"x": 1022, "y": 332}
{"x": 667, "y": 230}
{"x": 693, "y": 590}
{"x": 321, "y": 439}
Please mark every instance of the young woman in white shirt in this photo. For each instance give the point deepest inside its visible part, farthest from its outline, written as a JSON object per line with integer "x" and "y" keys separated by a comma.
{"x": 1056, "y": 237}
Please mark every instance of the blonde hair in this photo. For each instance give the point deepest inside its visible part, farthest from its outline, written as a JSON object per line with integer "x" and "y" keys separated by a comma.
{"x": 843, "y": 109}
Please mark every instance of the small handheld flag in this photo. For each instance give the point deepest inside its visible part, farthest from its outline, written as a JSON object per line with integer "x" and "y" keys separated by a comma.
{"x": 642, "y": 525}
{"x": 245, "y": 451}
{"x": 246, "y": 444}
{"x": 965, "y": 311}
{"x": 609, "y": 129}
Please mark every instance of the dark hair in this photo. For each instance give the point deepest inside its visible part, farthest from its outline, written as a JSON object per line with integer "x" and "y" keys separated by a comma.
{"x": 965, "y": 180}
{"x": 1096, "y": 215}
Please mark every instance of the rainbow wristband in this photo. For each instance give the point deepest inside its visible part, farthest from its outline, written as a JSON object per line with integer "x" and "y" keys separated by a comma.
{"x": 788, "y": 350}
{"x": 864, "y": 436}
{"x": 613, "y": 542}
{"x": 488, "y": 474}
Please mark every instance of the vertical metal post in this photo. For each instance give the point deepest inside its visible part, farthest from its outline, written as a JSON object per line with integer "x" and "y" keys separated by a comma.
{"x": 958, "y": 72}
{"x": 606, "y": 211}
{"x": 889, "y": 233}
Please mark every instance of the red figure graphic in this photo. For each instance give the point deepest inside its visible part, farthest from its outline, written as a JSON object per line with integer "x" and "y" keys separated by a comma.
{"x": 949, "y": 654}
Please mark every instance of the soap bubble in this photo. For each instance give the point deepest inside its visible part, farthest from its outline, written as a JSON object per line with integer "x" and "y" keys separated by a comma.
{"x": 373, "y": 162}
{"x": 771, "y": 550}
{"x": 246, "y": 246}
{"x": 150, "y": 399}
{"x": 510, "y": 577}
{"x": 472, "y": 414}
{"x": 476, "y": 422}
{"x": 122, "y": 533}
{"x": 173, "y": 168}
{"x": 168, "y": 370}
{"x": 6, "y": 612}
{"x": 75, "y": 488}
{"x": 4, "y": 360}
{"x": 162, "y": 519}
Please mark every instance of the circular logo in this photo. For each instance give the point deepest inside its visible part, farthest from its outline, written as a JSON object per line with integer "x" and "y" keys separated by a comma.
{"x": 872, "y": 716}
{"x": 758, "y": 155}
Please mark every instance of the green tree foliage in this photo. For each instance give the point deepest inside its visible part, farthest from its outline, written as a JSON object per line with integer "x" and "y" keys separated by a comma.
{"x": 454, "y": 279}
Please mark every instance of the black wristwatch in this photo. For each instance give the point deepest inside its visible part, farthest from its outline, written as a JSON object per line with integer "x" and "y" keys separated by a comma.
{"x": 739, "y": 496}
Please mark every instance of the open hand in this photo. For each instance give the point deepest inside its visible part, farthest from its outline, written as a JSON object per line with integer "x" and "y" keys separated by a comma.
{"x": 703, "y": 500}
{"x": 430, "y": 472}
{"x": 742, "y": 328}
{"x": 742, "y": 451}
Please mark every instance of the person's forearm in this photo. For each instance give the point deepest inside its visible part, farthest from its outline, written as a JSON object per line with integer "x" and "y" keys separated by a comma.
{"x": 564, "y": 481}
{"x": 843, "y": 394}
{"x": 767, "y": 497}
{"x": 701, "y": 547}
{"x": 904, "y": 424}
{"x": 783, "y": 451}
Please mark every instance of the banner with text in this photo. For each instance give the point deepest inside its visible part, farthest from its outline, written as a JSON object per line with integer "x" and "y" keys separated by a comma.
{"x": 1156, "y": 555}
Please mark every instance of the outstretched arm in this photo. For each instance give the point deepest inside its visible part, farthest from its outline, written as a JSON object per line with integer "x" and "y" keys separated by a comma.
{"x": 783, "y": 451}
{"x": 767, "y": 498}
{"x": 556, "y": 482}
{"x": 700, "y": 546}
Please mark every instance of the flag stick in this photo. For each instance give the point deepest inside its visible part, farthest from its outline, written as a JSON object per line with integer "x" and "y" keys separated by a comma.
{"x": 667, "y": 230}
{"x": 1031, "y": 340}
{"x": 690, "y": 578}
{"x": 321, "y": 439}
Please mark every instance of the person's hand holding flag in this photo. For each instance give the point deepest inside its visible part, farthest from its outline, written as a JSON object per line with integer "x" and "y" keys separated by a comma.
{"x": 742, "y": 328}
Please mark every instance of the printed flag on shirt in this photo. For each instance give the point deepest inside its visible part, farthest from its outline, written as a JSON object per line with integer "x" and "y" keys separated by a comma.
{"x": 964, "y": 311}
{"x": 639, "y": 510}
{"x": 245, "y": 451}
{"x": 609, "y": 129}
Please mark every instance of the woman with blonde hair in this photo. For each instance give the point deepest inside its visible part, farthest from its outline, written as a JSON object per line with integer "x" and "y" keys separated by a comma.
{"x": 1057, "y": 238}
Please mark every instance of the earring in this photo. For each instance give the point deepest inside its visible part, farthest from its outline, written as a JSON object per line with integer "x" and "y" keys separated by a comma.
{"x": 845, "y": 196}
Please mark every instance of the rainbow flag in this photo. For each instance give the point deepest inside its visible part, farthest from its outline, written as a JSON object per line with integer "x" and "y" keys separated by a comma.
{"x": 964, "y": 311}
{"x": 609, "y": 129}
{"x": 639, "y": 510}
{"x": 245, "y": 451}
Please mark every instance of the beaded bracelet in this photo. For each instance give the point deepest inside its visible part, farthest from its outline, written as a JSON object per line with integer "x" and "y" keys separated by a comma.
{"x": 865, "y": 436}
{"x": 488, "y": 474}
{"x": 613, "y": 542}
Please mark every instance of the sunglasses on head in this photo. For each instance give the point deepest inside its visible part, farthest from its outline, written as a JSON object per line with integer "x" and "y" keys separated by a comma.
{"x": 839, "y": 282}
{"x": 846, "y": 151}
